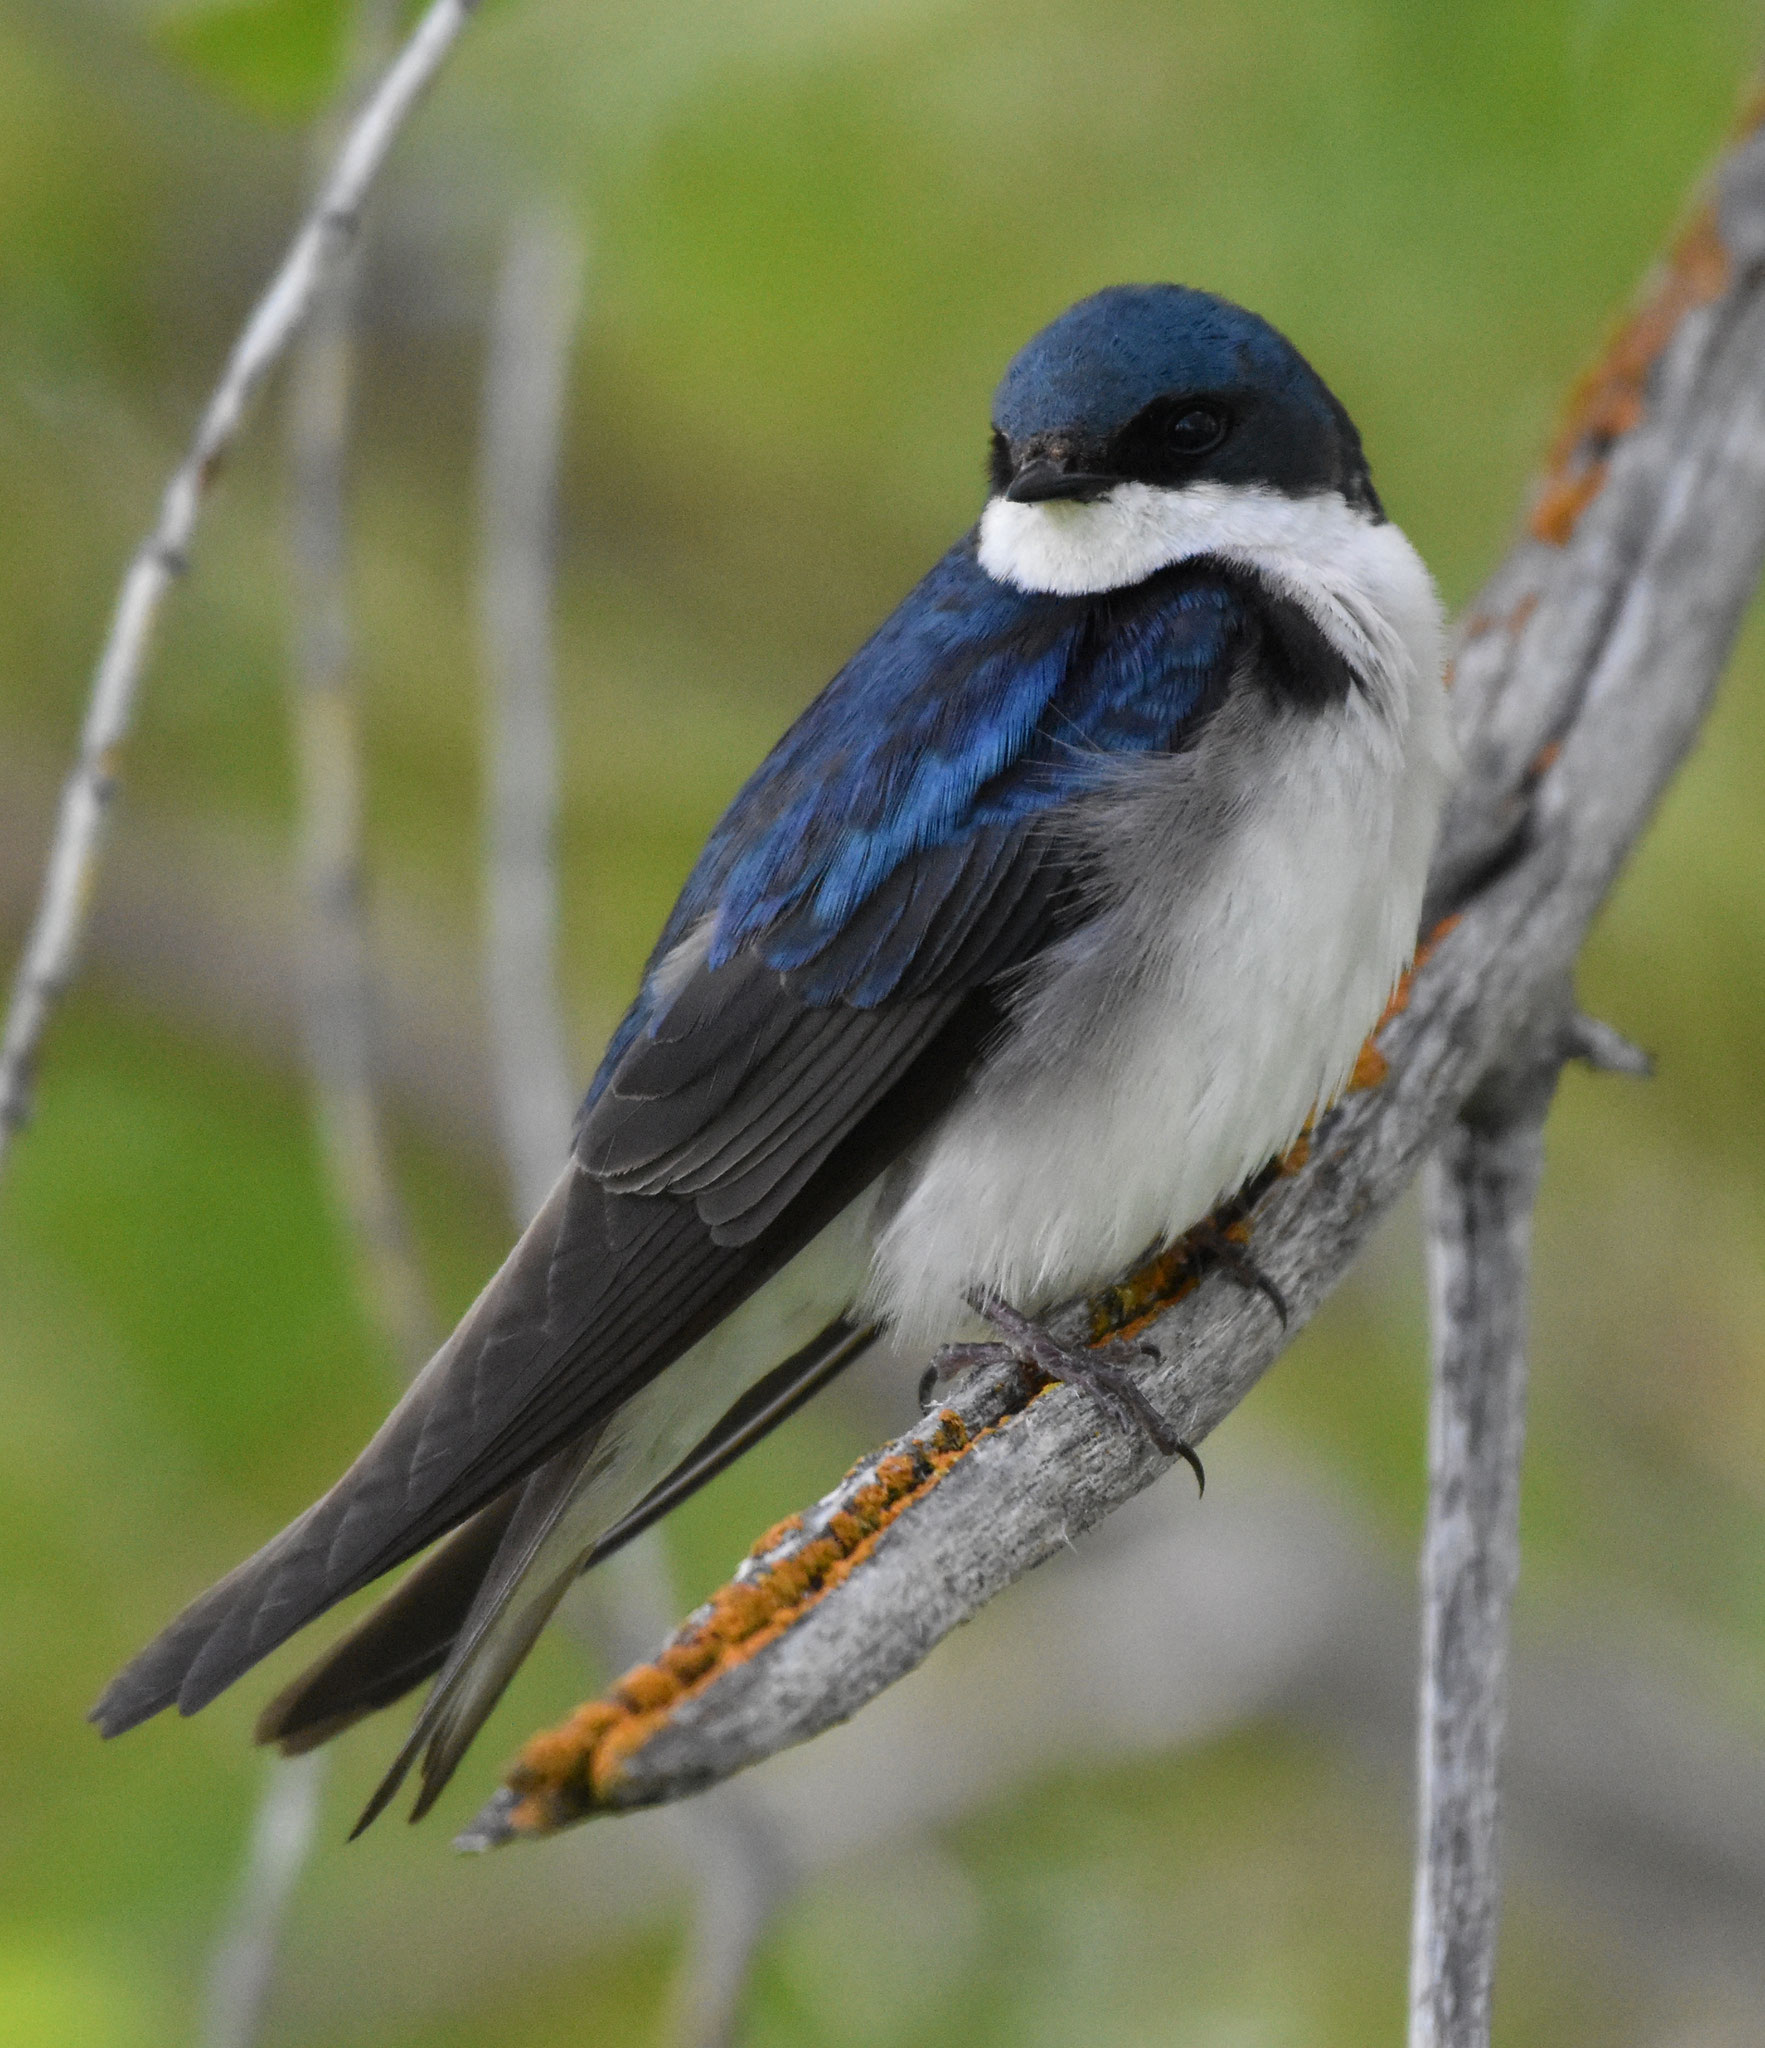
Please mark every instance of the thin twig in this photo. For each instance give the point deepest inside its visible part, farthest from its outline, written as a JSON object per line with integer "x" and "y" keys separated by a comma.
{"x": 737, "y": 1857}
{"x": 1583, "y": 674}
{"x": 738, "y": 1848}
{"x": 532, "y": 327}
{"x": 1480, "y": 1190}
{"x": 244, "y": 1960}
{"x": 319, "y": 246}
{"x": 336, "y": 1001}
{"x": 1481, "y": 1187}
{"x": 326, "y": 718}
{"x": 745, "y": 1869}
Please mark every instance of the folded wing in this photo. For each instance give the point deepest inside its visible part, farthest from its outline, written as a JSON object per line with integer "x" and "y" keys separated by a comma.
{"x": 831, "y": 973}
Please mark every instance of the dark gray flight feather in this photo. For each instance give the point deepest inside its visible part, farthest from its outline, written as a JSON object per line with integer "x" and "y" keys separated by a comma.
{"x": 604, "y": 1290}
{"x": 407, "y": 1636}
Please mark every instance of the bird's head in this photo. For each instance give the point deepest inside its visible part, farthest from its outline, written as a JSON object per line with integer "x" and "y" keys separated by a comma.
{"x": 1145, "y": 401}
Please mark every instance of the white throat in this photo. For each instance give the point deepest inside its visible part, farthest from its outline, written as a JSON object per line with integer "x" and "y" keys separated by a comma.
{"x": 1357, "y": 577}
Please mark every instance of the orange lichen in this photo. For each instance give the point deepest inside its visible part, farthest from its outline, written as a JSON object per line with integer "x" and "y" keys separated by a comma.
{"x": 1610, "y": 399}
{"x": 572, "y": 1770}
{"x": 1511, "y": 622}
{"x": 644, "y": 1687}
{"x": 551, "y": 1754}
{"x": 1129, "y": 1306}
{"x": 1370, "y": 1065}
{"x": 1370, "y": 1070}
{"x": 686, "y": 1661}
{"x": 1147, "y": 1292}
{"x": 895, "y": 1472}
{"x": 776, "y": 1535}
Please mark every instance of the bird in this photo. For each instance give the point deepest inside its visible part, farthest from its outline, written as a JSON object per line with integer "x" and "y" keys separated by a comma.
{"x": 1048, "y": 924}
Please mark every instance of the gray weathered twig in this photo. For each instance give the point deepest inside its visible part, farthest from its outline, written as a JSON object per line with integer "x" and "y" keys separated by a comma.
{"x": 738, "y": 1860}
{"x": 336, "y": 1003}
{"x": 1480, "y": 1190}
{"x": 1588, "y": 628}
{"x": 325, "y": 714}
{"x": 244, "y": 1957}
{"x": 1583, "y": 673}
{"x": 318, "y": 248}
{"x": 532, "y": 326}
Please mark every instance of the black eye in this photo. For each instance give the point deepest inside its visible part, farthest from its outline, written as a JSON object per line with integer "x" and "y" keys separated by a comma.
{"x": 1195, "y": 430}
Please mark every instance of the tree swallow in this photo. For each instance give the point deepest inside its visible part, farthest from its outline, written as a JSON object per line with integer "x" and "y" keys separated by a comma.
{"x": 1046, "y": 926}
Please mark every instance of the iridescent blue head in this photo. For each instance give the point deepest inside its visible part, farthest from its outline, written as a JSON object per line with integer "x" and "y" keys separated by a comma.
{"x": 1158, "y": 384}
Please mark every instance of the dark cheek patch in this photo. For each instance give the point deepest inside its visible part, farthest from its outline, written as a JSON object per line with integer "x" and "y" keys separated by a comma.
{"x": 1306, "y": 664}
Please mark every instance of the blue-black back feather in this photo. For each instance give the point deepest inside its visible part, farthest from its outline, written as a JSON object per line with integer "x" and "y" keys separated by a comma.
{"x": 974, "y": 713}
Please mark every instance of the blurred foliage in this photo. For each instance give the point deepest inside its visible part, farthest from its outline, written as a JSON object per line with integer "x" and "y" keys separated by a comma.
{"x": 279, "y": 58}
{"x": 818, "y": 231}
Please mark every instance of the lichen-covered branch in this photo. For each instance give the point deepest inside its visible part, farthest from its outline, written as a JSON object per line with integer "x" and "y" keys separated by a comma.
{"x": 317, "y": 250}
{"x": 1582, "y": 674}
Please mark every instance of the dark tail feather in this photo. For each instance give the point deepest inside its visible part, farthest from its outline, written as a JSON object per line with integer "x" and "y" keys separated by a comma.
{"x": 448, "y": 1723}
{"x": 492, "y": 1639}
{"x": 551, "y": 1346}
{"x": 766, "y": 1404}
{"x": 401, "y": 1642}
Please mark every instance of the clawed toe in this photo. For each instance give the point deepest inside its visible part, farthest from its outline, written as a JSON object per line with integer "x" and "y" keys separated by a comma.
{"x": 954, "y": 1358}
{"x": 1106, "y": 1373}
{"x": 1231, "y": 1258}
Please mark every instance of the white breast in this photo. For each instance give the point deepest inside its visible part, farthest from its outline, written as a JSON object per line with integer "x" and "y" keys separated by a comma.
{"x": 1261, "y": 895}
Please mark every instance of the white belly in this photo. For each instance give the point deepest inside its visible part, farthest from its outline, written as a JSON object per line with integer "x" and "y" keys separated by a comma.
{"x": 1264, "y": 893}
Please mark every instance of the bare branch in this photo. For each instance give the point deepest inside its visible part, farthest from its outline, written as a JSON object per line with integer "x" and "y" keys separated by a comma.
{"x": 326, "y": 718}
{"x": 1605, "y": 1050}
{"x": 245, "y": 1956}
{"x": 326, "y": 722}
{"x": 532, "y": 327}
{"x": 1583, "y": 673}
{"x": 739, "y": 1859}
{"x": 1481, "y": 1186}
{"x": 314, "y": 255}
{"x": 1483, "y": 1183}
{"x": 746, "y": 1866}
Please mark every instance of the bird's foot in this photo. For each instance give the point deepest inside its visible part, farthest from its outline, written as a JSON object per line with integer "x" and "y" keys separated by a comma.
{"x": 1104, "y": 1371}
{"x": 1220, "y": 1247}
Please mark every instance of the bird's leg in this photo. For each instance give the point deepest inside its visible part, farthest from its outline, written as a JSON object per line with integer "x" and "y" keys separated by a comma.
{"x": 1104, "y": 1371}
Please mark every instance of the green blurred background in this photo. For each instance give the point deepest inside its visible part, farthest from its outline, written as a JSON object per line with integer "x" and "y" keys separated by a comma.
{"x": 817, "y": 229}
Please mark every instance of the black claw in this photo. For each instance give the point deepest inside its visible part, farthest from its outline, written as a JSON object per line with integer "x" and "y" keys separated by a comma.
{"x": 928, "y": 1386}
{"x": 1192, "y": 1458}
{"x": 1236, "y": 1263}
{"x": 1264, "y": 1286}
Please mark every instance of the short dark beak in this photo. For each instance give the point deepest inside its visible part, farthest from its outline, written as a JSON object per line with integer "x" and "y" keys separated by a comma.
{"x": 1043, "y": 477}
